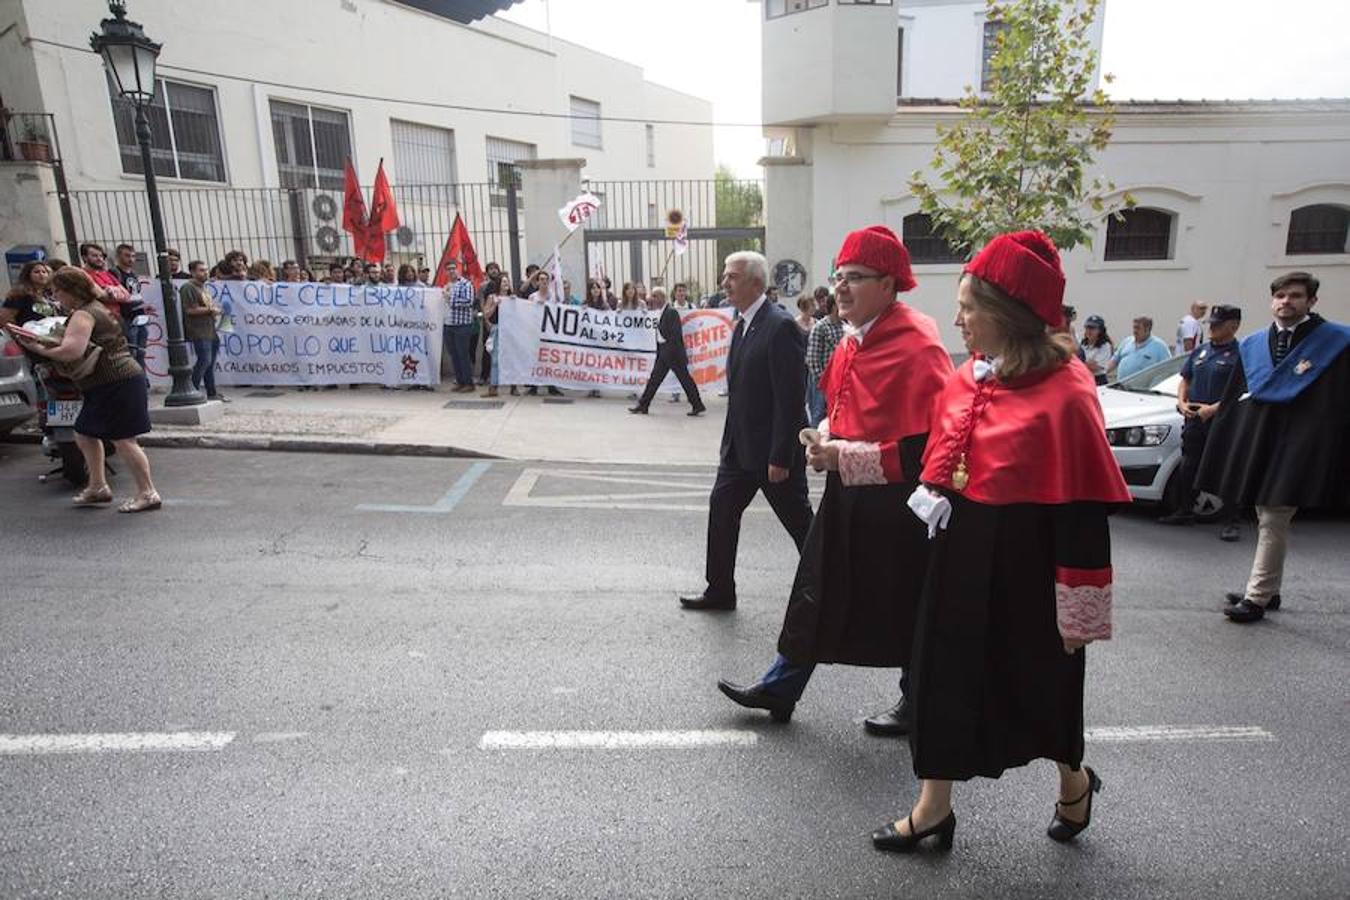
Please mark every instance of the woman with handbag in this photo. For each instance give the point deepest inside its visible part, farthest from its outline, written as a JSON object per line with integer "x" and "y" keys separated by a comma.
{"x": 93, "y": 352}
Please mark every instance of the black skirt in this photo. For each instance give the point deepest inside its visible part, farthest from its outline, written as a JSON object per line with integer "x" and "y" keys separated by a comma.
{"x": 116, "y": 411}
{"x": 992, "y": 687}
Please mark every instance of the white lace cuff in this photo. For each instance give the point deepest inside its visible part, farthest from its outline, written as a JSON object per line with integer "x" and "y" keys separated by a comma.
{"x": 860, "y": 463}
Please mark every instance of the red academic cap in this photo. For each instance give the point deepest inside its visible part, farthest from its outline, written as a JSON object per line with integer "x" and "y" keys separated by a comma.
{"x": 1025, "y": 265}
{"x": 879, "y": 249}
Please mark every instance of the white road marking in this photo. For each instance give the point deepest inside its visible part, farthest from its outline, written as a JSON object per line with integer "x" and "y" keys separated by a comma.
{"x": 615, "y": 740}
{"x": 138, "y": 742}
{"x": 695, "y": 487}
{"x": 1116, "y": 734}
{"x": 458, "y": 491}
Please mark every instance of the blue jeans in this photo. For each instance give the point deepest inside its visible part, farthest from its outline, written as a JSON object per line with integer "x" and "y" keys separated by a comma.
{"x": 789, "y": 680}
{"x": 496, "y": 375}
{"x": 459, "y": 338}
{"x": 204, "y": 367}
{"x": 815, "y": 403}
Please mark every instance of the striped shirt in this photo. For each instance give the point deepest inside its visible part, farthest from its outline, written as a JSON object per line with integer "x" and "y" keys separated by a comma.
{"x": 459, "y": 302}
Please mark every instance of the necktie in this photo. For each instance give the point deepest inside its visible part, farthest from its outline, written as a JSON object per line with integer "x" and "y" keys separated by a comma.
{"x": 1282, "y": 344}
{"x": 736, "y": 334}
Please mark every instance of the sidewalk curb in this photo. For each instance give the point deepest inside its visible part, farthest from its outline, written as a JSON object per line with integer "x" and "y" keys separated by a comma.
{"x": 283, "y": 445}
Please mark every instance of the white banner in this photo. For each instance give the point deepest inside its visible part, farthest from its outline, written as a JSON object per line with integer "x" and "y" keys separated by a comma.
{"x": 583, "y": 348}
{"x": 577, "y": 211}
{"x": 292, "y": 333}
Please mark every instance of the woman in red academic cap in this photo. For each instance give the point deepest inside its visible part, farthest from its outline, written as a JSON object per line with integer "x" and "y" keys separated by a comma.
{"x": 1016, "y": 488}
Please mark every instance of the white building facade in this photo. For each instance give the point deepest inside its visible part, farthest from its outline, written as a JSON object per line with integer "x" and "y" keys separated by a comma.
{"x": 1229, "y": 194}
{"x": 274, "y": 97}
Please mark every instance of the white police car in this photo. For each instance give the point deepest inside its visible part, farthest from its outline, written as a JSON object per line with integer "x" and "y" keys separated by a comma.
{"x": 1143, "y": 428}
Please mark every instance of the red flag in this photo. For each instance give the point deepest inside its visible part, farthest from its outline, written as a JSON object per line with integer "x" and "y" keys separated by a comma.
{"x": 459, "y": 250}
{"x": 383, "y": 217}
{"x": 354, "y": 211}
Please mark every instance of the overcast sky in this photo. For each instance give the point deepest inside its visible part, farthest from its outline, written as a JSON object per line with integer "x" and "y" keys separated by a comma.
{"x": 1157, "y": 49}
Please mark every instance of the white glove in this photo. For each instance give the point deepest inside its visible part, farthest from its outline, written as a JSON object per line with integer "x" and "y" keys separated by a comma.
{"x": 933, "y": 509}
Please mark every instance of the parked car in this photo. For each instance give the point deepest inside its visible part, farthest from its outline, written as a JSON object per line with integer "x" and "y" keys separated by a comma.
{"x": 1143, "y": 428}
{"x": 18, "y": 393}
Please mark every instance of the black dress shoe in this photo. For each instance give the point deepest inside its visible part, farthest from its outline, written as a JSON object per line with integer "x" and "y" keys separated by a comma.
{"x": 638, "y": 410}
{"x": 1271, "y": 605}
{"x": 1230, "y": 532}
{"x": 703, "y": 601}
{"x": 1245, "y": 611}
{"x": 755, "y": 697}
{"x": 697, "y": 411}
{"x": 887, "y": 838}
{"x": 894, "y": 722}
{"x": 1065, "y": 830}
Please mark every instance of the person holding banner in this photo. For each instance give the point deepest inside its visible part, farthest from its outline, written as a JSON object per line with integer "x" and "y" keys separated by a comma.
{"x": 856, "y": 595}
{"x": 671, "y": 356}
{"x": 766, "y": 411}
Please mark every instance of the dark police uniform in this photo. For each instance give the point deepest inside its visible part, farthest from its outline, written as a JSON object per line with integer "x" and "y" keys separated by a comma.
{"x": 1206, "y": 372}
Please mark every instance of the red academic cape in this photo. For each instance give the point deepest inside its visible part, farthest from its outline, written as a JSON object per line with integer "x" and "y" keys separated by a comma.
{"x": 883, "y": 391}
{"x": 1039, "y": 439}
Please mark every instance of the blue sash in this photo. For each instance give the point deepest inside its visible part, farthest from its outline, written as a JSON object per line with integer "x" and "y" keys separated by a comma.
{"x": 1281, "y": 384}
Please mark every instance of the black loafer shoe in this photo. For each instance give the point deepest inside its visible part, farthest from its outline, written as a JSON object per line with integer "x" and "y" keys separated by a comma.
{"x": 755, "y": 697}
{"x": 894, "y": 722}
{"x": 697, "y": 411}
{"x": 638, "y": 410}
{"x": 1245, "y": 611}
{"x": 1271, "y": 605}
{"x": 703, "y": 601}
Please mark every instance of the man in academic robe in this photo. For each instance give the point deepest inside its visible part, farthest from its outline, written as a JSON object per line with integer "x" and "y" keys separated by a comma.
{"x": 670, "y": 357}
{"x": 1281, "y": 438}
{"x": 862, "y": 570}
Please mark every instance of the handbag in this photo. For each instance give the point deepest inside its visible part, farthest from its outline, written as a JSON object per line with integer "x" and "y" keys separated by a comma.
{"x": 83, "y": 367}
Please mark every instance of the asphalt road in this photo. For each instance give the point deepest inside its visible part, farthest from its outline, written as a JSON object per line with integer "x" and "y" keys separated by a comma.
{"x": 347, "y": 630}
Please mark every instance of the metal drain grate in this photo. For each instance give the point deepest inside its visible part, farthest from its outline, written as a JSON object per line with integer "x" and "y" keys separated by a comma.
{"x": 265, "y": 394}
{"x": 474, "y": 404}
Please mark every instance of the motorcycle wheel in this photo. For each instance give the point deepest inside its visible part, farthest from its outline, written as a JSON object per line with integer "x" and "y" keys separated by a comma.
{"x": 72, "y": 465}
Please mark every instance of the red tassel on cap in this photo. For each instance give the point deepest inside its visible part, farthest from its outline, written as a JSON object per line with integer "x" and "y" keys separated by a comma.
{"x": 1025, "y": 265}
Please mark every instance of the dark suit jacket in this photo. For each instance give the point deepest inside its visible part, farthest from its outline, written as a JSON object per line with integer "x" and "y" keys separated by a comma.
{"x": 670, "y": 329}
{"x": 766, "y": 394}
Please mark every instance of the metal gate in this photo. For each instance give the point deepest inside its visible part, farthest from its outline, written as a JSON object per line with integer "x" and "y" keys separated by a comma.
{"x": 304, "y": 224}
{"x": 626, "y": 240}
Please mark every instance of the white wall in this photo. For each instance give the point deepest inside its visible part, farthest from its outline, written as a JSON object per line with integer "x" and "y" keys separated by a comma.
{"x": 336, "y": 46}
{"x": 1232, "y": 173}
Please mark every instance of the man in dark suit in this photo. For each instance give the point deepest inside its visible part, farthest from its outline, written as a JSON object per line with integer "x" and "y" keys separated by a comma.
{"x": 670, "y": 356}
{"x": 766, "y": 411}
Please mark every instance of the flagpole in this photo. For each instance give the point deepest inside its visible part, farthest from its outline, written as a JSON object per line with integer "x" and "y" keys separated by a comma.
{"x": 557, "y": 248}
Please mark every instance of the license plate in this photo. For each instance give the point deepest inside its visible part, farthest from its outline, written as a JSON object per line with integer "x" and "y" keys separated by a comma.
{"x": 63, "y": 412}
{"x": 11, "y": 399}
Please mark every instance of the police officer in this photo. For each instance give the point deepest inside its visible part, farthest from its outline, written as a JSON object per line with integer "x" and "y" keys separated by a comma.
{"x": 1203, "y": 378}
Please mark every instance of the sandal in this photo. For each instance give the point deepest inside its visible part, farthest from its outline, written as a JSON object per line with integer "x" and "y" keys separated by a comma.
{"x": 93, "y": 496}
{"x": 143, "y": 503}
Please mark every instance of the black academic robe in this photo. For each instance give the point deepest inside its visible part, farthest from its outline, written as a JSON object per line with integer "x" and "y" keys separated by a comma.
{"x": 1283, "y": 454}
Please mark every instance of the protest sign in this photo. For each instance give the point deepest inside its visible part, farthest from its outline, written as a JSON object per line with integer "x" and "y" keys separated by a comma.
{"x": 583, "y": 348}
{"x": 292, "y": 333}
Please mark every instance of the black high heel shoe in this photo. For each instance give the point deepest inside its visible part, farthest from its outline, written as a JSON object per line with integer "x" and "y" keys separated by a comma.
{"x": 887, "y": 838}
{"x": 1065, "y": 830}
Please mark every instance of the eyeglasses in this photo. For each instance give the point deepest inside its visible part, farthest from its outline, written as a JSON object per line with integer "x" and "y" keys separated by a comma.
{"x": 852, "y": 279}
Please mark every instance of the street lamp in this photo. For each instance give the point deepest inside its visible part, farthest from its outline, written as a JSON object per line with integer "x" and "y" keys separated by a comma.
{"x": 129, "y": 57}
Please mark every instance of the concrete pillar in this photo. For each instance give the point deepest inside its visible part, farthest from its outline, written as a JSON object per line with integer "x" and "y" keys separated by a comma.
{"x": 788, "y": 225}
{"x": 29, "y": 211}
{"x": 546, "y": 185}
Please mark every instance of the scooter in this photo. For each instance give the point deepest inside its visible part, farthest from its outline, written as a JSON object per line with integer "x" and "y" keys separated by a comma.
{"x": 59, "y": 404}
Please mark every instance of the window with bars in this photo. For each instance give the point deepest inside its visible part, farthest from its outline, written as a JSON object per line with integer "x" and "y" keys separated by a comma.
{"x": 586, "y": 123}
{"x": 775, "y": 8}
{"x": 1139, "y": 233}
{"x": 924, "y": 244}
{"x": 502, "y": 156}
{"x": 992, "y": 30}
{"x": 184, "y": 132}
{"x": 651, "y": 146}
{"x": 1320, "y": 228}
{"x": 312, "y": 145}
{"x": 423, "y": 154}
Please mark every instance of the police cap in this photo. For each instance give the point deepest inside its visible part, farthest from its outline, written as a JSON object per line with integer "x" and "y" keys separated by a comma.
{"x": 1221, "y": 313}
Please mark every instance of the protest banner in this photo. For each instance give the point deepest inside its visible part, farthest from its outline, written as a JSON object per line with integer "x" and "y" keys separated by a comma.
{"x": 583, "y": 348}
{"x": 292, "y": 333}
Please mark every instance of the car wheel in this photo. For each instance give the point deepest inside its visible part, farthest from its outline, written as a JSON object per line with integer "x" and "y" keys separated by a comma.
{"x": 1171, "y": 498}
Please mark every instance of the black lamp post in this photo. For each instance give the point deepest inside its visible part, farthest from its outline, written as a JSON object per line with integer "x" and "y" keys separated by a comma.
{"x": 129, "y": 57}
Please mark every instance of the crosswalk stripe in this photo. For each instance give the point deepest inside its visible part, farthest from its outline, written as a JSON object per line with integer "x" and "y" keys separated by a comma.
{"x": 135, "y": 742}
{"x": 615, "y": 740}
{"x": 1115, "y": 734}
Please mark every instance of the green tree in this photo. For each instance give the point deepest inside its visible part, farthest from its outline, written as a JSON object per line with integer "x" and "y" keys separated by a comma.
{"x": 1018, "y": 157}
{"x": 740, "y": 204}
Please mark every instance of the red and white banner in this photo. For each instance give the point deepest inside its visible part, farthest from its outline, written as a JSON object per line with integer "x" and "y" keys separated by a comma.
{"x": 575, "y": 213}
{"x": 579, "y": 347}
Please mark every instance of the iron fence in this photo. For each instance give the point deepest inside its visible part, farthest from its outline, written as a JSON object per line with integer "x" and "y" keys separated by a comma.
{"x": 626, "y": 239}
{"x": 304, "y": 224}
